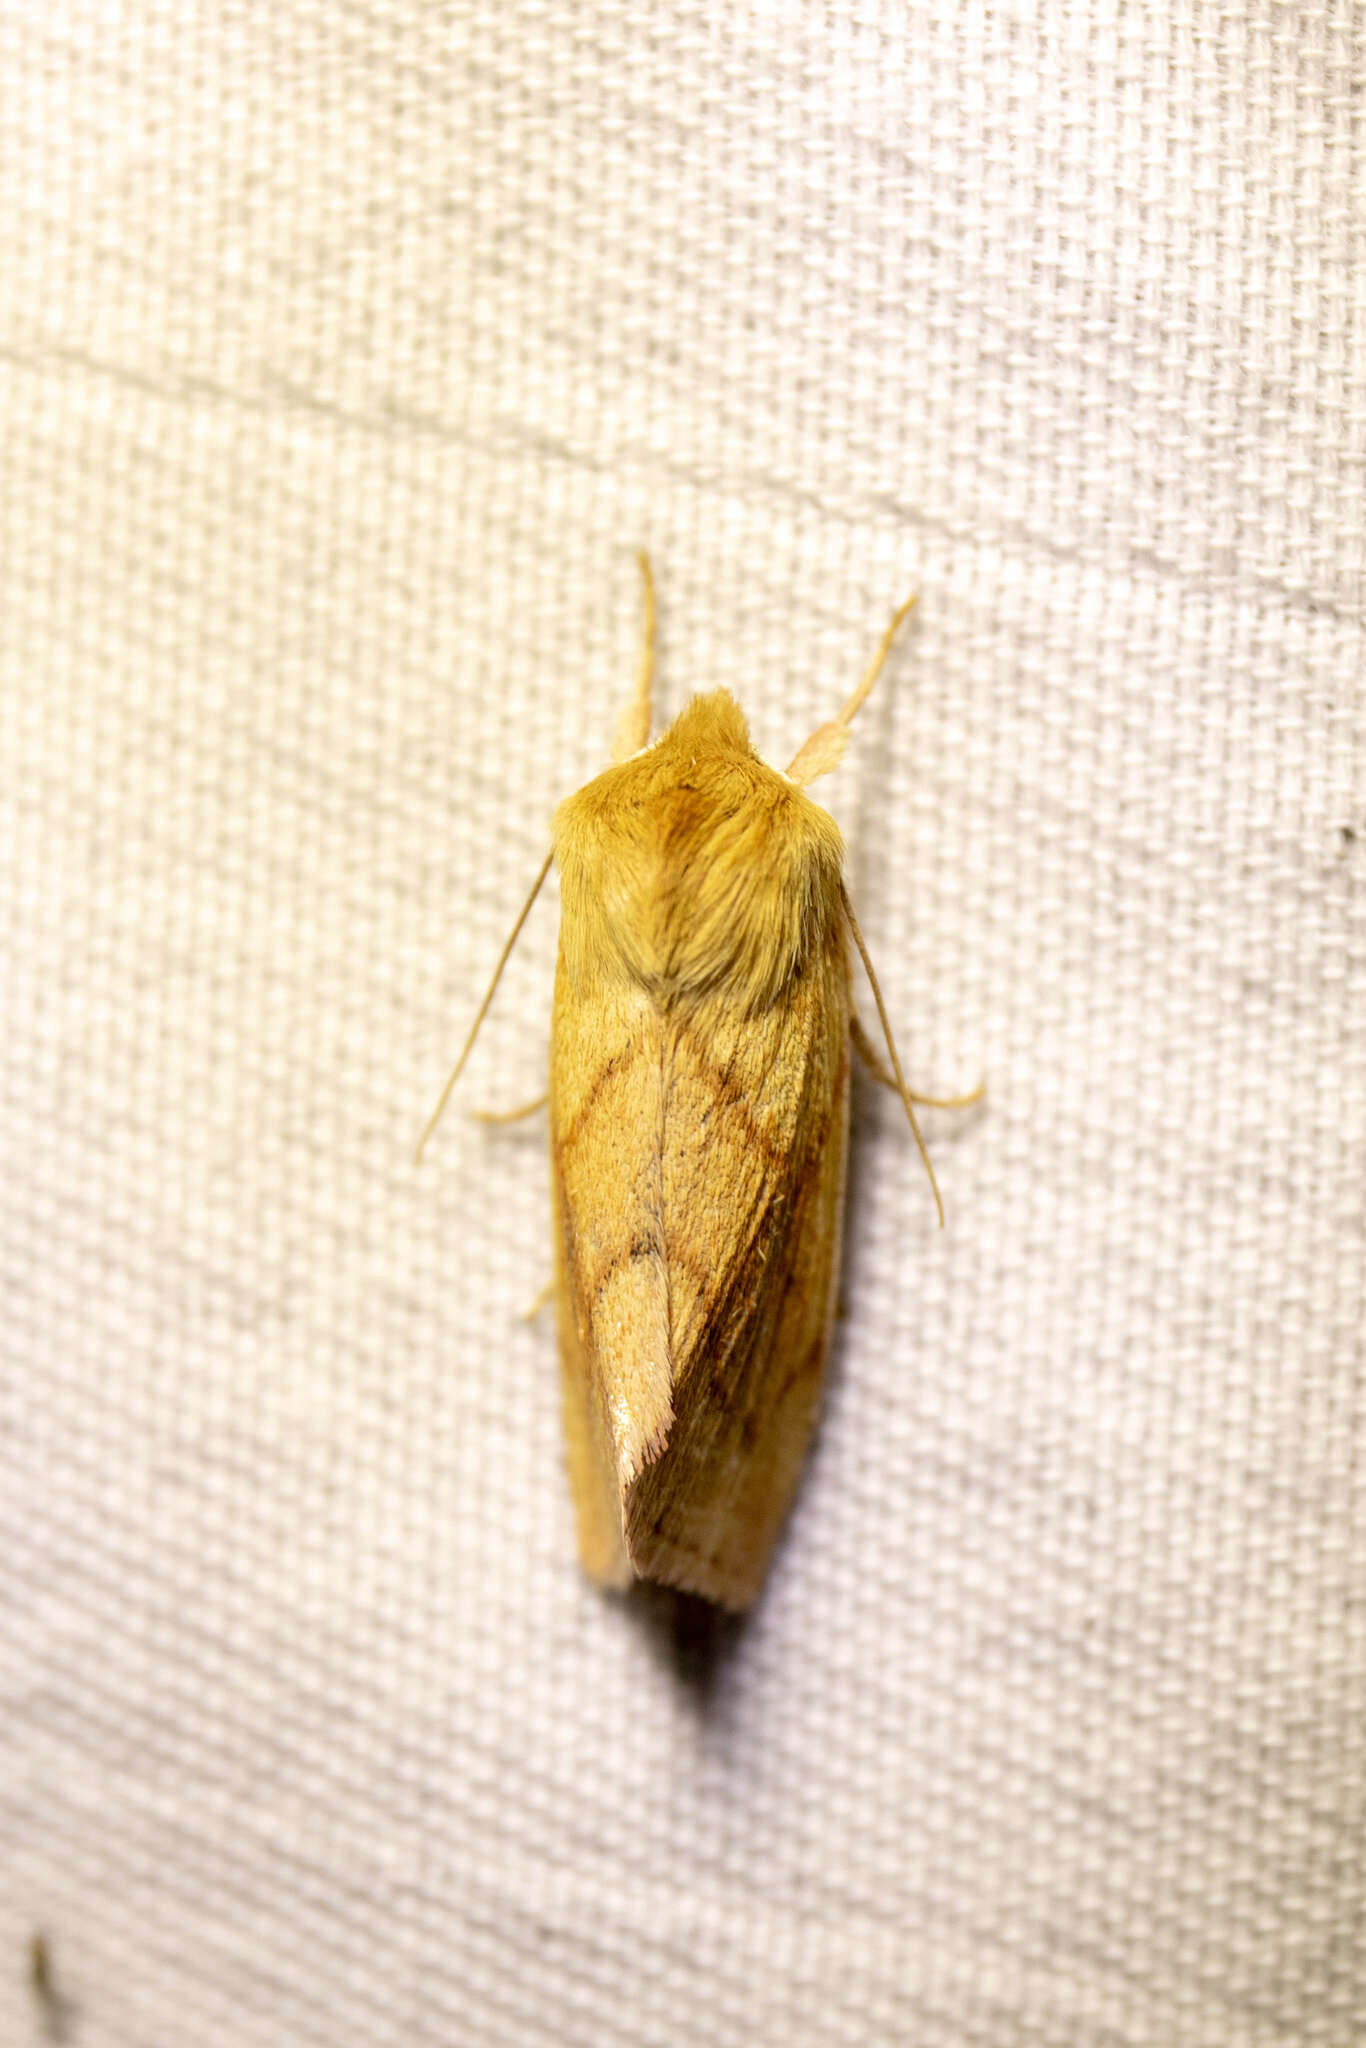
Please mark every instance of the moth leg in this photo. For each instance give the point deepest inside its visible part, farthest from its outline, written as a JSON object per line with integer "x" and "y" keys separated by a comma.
{"x": 633, "y": 727}
{"x": 547, "y": 1294}
{"x": 869, "y": 1054}
{"x": 873, "y": 1060}
{"x": 510, "y": 1116}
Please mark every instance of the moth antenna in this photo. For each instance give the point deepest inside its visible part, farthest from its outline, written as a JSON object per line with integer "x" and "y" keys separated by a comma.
{"x": 902, "y": 1090}
{"x": 825, "y": 748}
{"x": 633, "y": 727}
{"x": 525, "y": 912}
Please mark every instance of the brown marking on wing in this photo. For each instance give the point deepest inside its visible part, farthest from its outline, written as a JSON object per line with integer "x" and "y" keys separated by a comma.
{"x": 569, "y": 1136}
{"x": 730, "y": 1098}
{"x": 642, "y": 1246}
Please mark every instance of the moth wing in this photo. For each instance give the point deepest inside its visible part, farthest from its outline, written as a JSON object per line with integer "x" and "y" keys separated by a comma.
{"x": 699, "y": 1161}
{"x": 752, "y": 1165}
{"x": 611, "y": 1291}
{"x": 592, "y": 1478}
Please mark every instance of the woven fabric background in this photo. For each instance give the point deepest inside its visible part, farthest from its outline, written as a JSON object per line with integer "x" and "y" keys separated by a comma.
{"x": 346, "y": 357}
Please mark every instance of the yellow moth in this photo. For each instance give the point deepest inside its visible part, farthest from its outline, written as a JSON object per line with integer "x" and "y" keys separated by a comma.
{"x": 699, "y": 1111}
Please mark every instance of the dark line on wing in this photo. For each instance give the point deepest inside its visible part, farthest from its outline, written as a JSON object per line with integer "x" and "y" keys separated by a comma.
{"x": 730, "y": 1097}
{"x": 640, "y": 1247}
{"x": 573, "y": 1130}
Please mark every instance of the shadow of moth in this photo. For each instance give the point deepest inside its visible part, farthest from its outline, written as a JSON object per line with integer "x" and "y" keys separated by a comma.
{"x": 699, "y": 1114}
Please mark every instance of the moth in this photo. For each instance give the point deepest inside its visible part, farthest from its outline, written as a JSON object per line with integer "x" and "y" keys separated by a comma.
{"x": 699, "y": 1112}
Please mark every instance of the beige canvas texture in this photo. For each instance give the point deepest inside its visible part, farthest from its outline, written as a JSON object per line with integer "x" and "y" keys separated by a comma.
{"x": 347, "y": 356}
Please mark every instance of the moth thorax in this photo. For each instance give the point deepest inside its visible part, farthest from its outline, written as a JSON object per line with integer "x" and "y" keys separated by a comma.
{"x": 727, "y": 895}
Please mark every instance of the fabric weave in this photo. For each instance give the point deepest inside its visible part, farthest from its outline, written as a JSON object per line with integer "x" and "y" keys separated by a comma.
{"x": 346, "y": 357}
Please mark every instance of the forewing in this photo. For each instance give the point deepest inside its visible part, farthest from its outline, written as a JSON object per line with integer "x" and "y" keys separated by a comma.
{"x": 753, "y": 1133}
{"x": 612, "y": 1296}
